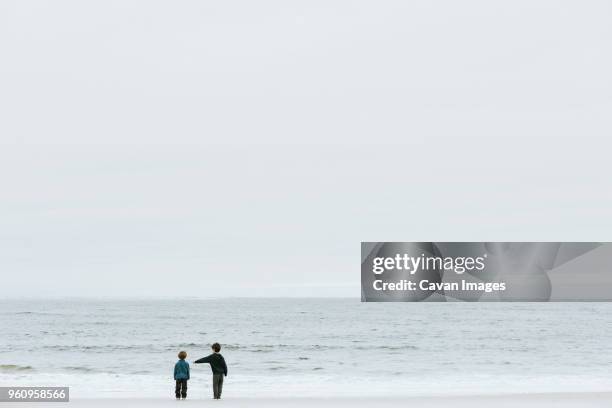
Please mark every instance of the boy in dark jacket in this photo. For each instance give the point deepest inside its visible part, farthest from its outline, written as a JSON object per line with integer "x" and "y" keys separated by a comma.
{"x": 181, "y": 376}
{"x": 219, "y": 369}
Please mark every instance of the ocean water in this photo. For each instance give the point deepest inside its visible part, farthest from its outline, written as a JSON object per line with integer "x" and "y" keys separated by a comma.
{"x": 307, "y": 347}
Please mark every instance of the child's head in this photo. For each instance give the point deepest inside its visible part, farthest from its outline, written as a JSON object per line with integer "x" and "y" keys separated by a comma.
{"x": 216, "y": 347}
{"x": 182, "y": 355}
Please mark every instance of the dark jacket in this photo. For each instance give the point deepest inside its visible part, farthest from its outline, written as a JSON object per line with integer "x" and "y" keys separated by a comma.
{"x": 217, "y": 363}
{"x": 181, "y": 370}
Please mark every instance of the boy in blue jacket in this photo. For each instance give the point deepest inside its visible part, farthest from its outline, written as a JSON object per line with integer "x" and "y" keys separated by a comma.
{"x": 181, "y": 376}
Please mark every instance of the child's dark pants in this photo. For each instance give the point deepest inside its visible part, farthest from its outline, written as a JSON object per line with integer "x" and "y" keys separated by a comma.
{"x": 217, "y": 385}
{"x": 181, "y": 389}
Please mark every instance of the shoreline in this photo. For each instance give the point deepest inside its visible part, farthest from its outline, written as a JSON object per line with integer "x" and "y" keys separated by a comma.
{"x": 534, "y": 400}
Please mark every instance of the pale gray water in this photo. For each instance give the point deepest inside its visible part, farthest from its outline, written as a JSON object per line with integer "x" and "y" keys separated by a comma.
{"x": 307, "y": 347}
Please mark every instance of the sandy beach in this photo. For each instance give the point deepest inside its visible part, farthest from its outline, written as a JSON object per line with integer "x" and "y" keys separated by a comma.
{"x": 557, "y": 400}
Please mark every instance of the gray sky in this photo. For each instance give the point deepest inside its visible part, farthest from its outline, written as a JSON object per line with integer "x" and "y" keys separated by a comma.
{"x": 246, "y": 148}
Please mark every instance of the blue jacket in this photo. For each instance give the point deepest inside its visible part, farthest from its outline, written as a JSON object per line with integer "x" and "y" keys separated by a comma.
{"x": 181, "y": 370}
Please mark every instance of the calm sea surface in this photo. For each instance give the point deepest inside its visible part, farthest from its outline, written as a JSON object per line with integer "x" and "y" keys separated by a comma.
{"x": 307, "y": 347}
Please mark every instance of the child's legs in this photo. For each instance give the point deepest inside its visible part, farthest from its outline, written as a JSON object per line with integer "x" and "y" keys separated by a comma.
{"x": 215, "y": 388}
{"x": 220, "y": 386}
{"x": 177, "y": 389}
{"x": 217, "y": 385}
{"x": 184, "y": 389}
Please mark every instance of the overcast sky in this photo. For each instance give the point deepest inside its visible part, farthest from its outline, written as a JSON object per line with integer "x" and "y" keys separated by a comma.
{"x": 238, "y": 148}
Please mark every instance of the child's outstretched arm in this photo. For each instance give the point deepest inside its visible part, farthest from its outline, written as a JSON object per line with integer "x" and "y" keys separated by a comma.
{"x": 203, "y": 360}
